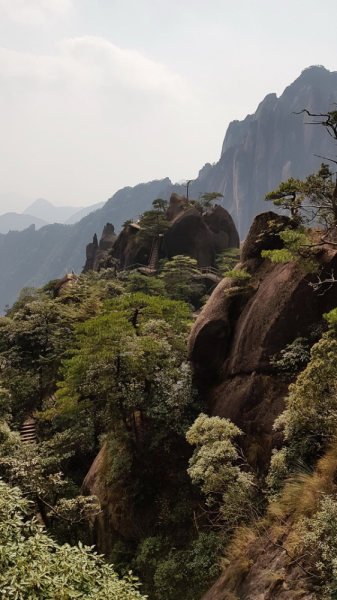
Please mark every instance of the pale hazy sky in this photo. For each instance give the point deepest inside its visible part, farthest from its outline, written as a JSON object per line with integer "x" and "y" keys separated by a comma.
{"x": 100, "y": 94}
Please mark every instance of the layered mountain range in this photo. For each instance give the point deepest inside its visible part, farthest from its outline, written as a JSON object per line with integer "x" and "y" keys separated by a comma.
{"x": 41, "y": 212}
{"x": 257, "y": 154}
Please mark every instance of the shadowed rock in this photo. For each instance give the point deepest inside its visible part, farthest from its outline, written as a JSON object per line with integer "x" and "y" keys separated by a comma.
{"x": 241, "y": 328}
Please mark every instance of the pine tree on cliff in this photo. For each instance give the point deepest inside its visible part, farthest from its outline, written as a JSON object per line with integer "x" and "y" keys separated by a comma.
{"x": 153, "y": 222}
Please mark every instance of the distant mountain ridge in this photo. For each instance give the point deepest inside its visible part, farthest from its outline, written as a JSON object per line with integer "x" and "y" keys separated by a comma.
{"x": 12, "y": 221}
{"x": 34, "y": 257}
{"x": 45, "y": 210}
{"x": 257, "y": 154}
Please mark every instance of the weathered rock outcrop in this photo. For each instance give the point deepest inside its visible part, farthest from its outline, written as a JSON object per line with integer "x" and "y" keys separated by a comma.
{"x": 96, "y": 253}
{"x": 200, "y": 236}
{"x": 192, "y": 233}
{"x": 241, "y": 328}
{"x": 66, "y": 282}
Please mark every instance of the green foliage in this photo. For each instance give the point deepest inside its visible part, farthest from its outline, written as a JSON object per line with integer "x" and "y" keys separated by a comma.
{"x": 310, "y": 418}
{"x": 239, "y": 276}
{"x": 146, "y": 285}
{"x": 227, "y": 260}
{"x": 188, "y": 573}
{"x": 37, "y": 334}
{"x": 309, "y": 200}
{"x": 27, "y": 295}
{"x": 153, "y": 222}
{"x": 38, "y": 470}
{"x": 129, "y": 359}
{"x": 318, "y": 536}
{"x": 160, "y": 204}
{"x": 296, "y": 243}
{"x": 278, "y": 472}
{"x": 331, "y": 318}
{"x": 178, "y": 276}
{"x": 288, "y": 196}
{"x": 206, "y": 200}
{"x": 213, "y": 467}
{"x": 128, "y": 377}
{"x": 293, "y": 358}
{"x": 33, "y": 565}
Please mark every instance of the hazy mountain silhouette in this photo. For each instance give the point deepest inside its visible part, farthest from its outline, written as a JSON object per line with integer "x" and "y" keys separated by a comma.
{"x": 12, "y": 221}
{"x": 43, "y": 209}
{"x": 83, "y": 213}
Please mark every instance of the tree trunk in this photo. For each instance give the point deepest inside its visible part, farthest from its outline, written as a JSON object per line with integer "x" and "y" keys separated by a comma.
{"x": 334, "y": 205}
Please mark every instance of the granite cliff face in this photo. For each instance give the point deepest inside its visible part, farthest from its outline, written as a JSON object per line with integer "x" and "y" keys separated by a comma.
{"x": 241, "y": 328}
{"x": 270, "y": 146}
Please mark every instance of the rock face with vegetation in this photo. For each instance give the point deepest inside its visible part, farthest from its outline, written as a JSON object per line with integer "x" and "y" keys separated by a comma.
{"x": 190, "y": 231}
{"x": 246, "y": 323}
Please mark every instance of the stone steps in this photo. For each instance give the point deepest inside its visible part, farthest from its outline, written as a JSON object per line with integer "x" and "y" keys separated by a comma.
{"x": 28, "y": 431}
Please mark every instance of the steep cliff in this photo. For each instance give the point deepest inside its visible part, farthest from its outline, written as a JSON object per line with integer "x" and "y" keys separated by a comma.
{"x": 270, "y": 146}
{"x": 242, "y": 327}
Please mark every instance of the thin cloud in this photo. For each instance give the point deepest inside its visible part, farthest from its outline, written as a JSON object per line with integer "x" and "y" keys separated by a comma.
{"x": 92, "y": 64}
{"x": 101, "y": 63}
{"x": 35, "y": 12}
{"x": 91, "y": 118}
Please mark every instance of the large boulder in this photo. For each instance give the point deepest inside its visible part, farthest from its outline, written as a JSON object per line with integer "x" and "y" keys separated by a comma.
{"x": 221, "y": 224}
{"x": 176, "y": 206}
{"x": 189, "y": 235}
{"x": 200, "y": 236}
{"x": 241, "y": 328}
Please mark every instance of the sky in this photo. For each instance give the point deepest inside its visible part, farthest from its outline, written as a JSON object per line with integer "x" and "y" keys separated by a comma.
{"x": 97, "y": 95}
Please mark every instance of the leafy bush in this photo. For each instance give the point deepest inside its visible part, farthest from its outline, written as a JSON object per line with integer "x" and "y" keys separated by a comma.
{"x": 146, "y": 285}
{"x": 213, "y": 467}
{"x": 318, "y": 536}
{"x": 179, "y": 277}
{"x": 240, "y": 276}
{"x": 295, "y": 248}
{"x": 310, "y": 418}
{"x": 278, "y": 472}
{"x": 33, "y": 566}
{"x": 293, "y": 357}
{"x": 188, "y": 573}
